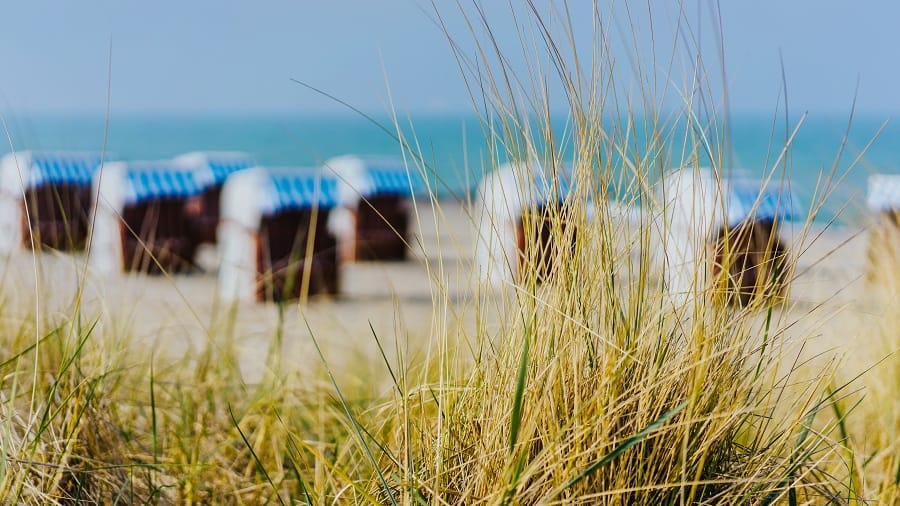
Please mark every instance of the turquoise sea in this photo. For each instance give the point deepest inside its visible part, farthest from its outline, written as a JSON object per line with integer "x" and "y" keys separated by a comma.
{"x": 454, "y": 146}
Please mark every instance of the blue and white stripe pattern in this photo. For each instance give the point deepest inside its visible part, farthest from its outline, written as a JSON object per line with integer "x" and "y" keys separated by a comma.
{"x": 211, "y": 168}
{"x": 391, "y": 177}
{"x": 747, "y": 198}
{"x": 223, "y": 166}
{"x": 63, "y": 168}
{"x": 149, "y": 180}
{"x": 300, "y": 190}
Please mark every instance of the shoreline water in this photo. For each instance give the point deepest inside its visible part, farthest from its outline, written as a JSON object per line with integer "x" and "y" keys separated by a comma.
{"x": 454, "y": 146}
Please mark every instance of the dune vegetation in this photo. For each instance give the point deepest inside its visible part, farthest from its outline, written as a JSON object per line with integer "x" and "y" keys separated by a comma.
{"x": 584, "y": 383}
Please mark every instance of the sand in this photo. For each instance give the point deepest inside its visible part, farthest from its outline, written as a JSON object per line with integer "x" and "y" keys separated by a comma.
{"x": 401, "y": 301}
{"x": 170, "y": 315}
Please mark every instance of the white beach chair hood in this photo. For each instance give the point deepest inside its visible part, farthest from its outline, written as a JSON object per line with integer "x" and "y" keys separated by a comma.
{"x": 106, "y": 241}
{"x": 695, "y": 205}
{"x": 503, "y": 195}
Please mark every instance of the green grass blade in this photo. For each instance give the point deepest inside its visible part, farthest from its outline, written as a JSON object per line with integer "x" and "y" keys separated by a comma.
{"x": 387, "y": 362}
{"x": 259, "y": 464}
{"x": 356, "y": 426}
{"x": 295, "y": 451}
{"x": 521, "y": 380}
{"x": 153, "y": 421}
{"x": 28, "y": 348}
{"x": 622, "y": 448}
{"x": 293, "y": 465}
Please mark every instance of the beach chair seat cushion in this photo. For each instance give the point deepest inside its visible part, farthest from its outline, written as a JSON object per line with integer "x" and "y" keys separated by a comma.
{"x": 383, "y": 228}
{"x": 287, "y": 248}
{"x": 58, "y": 215}
{"x": 160, "y": 230}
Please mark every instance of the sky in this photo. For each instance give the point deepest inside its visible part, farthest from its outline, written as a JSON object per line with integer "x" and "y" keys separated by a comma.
{"x": 239, "y": 56}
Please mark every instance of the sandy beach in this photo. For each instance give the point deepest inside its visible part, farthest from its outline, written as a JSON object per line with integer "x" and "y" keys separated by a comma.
{"x": 172, "y": 314}
{"x": 417, "y": 308}
{"x": 403, "y": 301}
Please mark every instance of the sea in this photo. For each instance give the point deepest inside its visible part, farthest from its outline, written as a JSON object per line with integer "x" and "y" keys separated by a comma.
{"x": 456, "y": 148}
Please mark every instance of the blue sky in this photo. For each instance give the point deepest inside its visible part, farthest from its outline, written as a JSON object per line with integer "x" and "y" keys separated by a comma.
{"x": 230, "y": 56}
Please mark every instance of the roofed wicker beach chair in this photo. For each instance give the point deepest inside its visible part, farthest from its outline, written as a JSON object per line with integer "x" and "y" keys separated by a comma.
{"x": 374, "y": 220}
{"x": 523, "y": 222}
{"x": 140, "y": 221}
{"x": 274, "y": 240}
{"x": 47, "y": 195}
{"x": 724, "y": 233}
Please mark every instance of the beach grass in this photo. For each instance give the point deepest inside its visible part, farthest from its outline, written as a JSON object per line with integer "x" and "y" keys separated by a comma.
{"x": 586, "y": 382}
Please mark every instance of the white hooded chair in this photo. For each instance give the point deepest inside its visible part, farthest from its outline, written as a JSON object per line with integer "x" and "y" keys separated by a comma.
{"x": 707, "y": 219}
{"x": 374, "y": 220}
{"x": 53, "y": 191}
{"x": 274, "y": 240}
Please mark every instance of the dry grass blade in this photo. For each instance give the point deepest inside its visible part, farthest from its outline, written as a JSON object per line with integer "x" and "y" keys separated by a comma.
{"x": 355, "y": 423}
{"x": 623, "y": 447}
{"x": 259, "y": 464}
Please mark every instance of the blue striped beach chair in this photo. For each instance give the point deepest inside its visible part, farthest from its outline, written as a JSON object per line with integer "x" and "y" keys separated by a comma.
{"x": 141, "y": 220}
{"x": 726, "y": 231}
{"x": 274, "y": 237}
{"x": 518, "y": 206}
{"x": 376, "y": 195}
{"x": 45, "y": 199}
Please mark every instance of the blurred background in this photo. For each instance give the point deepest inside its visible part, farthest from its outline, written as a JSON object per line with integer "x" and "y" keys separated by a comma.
{"x": 172, "y": 77}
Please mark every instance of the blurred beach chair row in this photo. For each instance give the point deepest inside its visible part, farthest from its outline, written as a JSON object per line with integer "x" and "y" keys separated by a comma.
{"x": 284, "y": 233}
{"x": 704, "y": 228}
{"x": 280, "y": 232}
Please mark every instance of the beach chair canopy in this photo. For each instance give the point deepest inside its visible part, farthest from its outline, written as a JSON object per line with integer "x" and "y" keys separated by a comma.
{"x": 884, "y": 192}
{"x": 250, "y": 194}
{"x": 363, "y": 177}
{"x": 213, "y": 167}
{"x": 37, "y": 168}
{"x": 556, "y": 185}
{"x": 754, "y": 199}
{"x": 156, "y": 180}
{"x": 299, "y": 189}
{"x": 696, "y": 197}
{"x": 516, "y": 186}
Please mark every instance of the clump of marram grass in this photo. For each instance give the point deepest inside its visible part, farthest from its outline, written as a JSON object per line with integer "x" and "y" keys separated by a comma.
{"x": 870, "y": 432}
{"x": 597, "y": 390}
{"x": 85, "y": 416}
{"x": 600, "y": 387}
